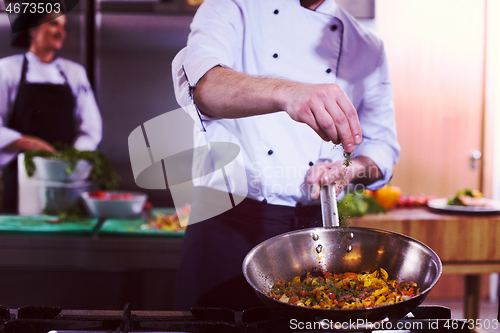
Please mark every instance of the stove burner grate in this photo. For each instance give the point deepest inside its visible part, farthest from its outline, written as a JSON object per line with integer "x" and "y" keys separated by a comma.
{"x": 43, "y": 319}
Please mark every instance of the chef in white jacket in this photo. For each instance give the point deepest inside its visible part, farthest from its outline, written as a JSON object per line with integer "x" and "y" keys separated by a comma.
{"x": 281, "y": 79}
{"x": 44, "y": 100}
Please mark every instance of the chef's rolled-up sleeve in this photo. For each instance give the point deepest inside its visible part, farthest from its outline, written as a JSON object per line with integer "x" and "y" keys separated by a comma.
{"x": 7, "y": 135}
{"x": 215, "y": 40}
{"x": 88, "y": 115}
{"x": 378, "y": 124}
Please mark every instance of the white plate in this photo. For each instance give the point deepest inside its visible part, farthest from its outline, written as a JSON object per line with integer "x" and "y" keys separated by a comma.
{"x": 442, "y": 205}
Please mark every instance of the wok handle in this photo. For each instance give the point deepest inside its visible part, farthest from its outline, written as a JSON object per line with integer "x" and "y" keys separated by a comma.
{"x": 329, "y": 211}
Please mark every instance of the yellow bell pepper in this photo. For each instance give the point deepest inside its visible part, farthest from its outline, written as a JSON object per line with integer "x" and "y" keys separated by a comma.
{"x": 388, "y": 196}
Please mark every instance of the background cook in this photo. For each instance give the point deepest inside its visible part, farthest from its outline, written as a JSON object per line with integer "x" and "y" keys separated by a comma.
{"x": 44, "y": 99}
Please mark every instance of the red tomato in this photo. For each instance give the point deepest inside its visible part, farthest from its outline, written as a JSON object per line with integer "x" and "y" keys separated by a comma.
{"x": 403, "y": 201}
{"x": 421, "y": 200}
{"x": 121, "y": 196}
{"x": 115, "y": 196}
{"x": 98, "y": 195}
{"x": 411, "y": 201}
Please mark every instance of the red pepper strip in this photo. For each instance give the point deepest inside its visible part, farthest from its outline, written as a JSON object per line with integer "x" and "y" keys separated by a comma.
{"x": 350, "y": 275}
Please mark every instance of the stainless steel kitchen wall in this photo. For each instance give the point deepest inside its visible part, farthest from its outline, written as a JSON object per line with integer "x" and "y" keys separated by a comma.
{"x": 134, "y": 81}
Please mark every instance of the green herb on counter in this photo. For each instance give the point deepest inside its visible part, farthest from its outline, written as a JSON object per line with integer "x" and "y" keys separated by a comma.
{"x": 73, "y": 215}
{"x": 102, "y": 174}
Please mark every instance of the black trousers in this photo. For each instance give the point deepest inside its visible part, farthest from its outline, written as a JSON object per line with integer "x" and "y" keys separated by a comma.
{"x": 210, "y": 270}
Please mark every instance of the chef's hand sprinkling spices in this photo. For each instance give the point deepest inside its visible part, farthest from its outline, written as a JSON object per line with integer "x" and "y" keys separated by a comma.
{"x": 327, "y": 110}
{"x": 323, "y": 107}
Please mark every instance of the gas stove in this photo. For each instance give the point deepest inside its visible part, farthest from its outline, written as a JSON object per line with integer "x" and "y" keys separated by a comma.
{"x": 44, "y": 319}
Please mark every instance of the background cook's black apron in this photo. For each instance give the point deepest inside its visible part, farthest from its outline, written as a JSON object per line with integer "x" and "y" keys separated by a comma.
{"x": 42, "y": 110}
{"x": 210, "y": 268}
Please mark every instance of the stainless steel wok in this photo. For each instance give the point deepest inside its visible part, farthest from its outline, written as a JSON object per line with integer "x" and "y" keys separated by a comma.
{"x": 338, "y": 250}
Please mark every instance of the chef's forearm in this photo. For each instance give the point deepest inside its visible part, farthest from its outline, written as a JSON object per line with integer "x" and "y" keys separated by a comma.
{"x": 225, "y": 93}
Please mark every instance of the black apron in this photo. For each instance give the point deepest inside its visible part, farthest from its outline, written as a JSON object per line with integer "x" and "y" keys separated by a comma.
{"x": 42, "y": 110}
{"x": 210, "y": 267}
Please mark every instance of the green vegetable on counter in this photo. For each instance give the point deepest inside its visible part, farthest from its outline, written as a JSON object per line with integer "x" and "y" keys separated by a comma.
{"x": 455, "y": 201}
{"x": 102, "y": 174}
{"x": 356, "y": 205}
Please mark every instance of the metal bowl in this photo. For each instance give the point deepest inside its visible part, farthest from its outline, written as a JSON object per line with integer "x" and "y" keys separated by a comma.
{"x": 56, "y": 170}
{"x": 115, "y": 208}
{"x": 340, "y": 250}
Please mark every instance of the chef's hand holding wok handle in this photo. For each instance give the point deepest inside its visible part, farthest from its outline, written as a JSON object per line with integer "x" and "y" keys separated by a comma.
{"x": 361, "y": 170}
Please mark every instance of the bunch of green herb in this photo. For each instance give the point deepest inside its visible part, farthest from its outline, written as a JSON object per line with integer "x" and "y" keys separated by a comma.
{"x": 102, "y": 174}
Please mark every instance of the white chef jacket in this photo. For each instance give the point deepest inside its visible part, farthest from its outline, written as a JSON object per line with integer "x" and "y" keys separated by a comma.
{"x": 280, "y": 38}
{"x": 86, "y": 110}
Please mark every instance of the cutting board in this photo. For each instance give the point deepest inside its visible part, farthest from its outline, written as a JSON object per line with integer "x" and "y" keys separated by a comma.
{"x": 135, "y": 227}
{"x": 43, "y": 225}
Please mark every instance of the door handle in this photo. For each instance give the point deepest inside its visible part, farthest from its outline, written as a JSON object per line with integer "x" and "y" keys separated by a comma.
{"x": 474, "y": 159}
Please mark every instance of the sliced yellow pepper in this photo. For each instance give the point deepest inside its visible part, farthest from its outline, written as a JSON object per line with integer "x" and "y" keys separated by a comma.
{"x": 385, "y": 276}
{"x": 380, "y": 300}
{"x": 381, "y": 291}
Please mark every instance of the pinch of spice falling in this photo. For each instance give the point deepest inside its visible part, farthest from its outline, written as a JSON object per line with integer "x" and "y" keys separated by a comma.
{"x": 344, "y": 220}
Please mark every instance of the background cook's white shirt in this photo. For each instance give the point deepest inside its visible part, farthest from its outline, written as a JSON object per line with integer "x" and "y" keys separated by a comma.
{"x": 87, "y": 113}
{"x": 280, "y": 38}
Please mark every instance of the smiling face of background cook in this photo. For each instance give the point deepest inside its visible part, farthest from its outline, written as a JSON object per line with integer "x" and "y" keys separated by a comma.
{"x": 48, "y": 37}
